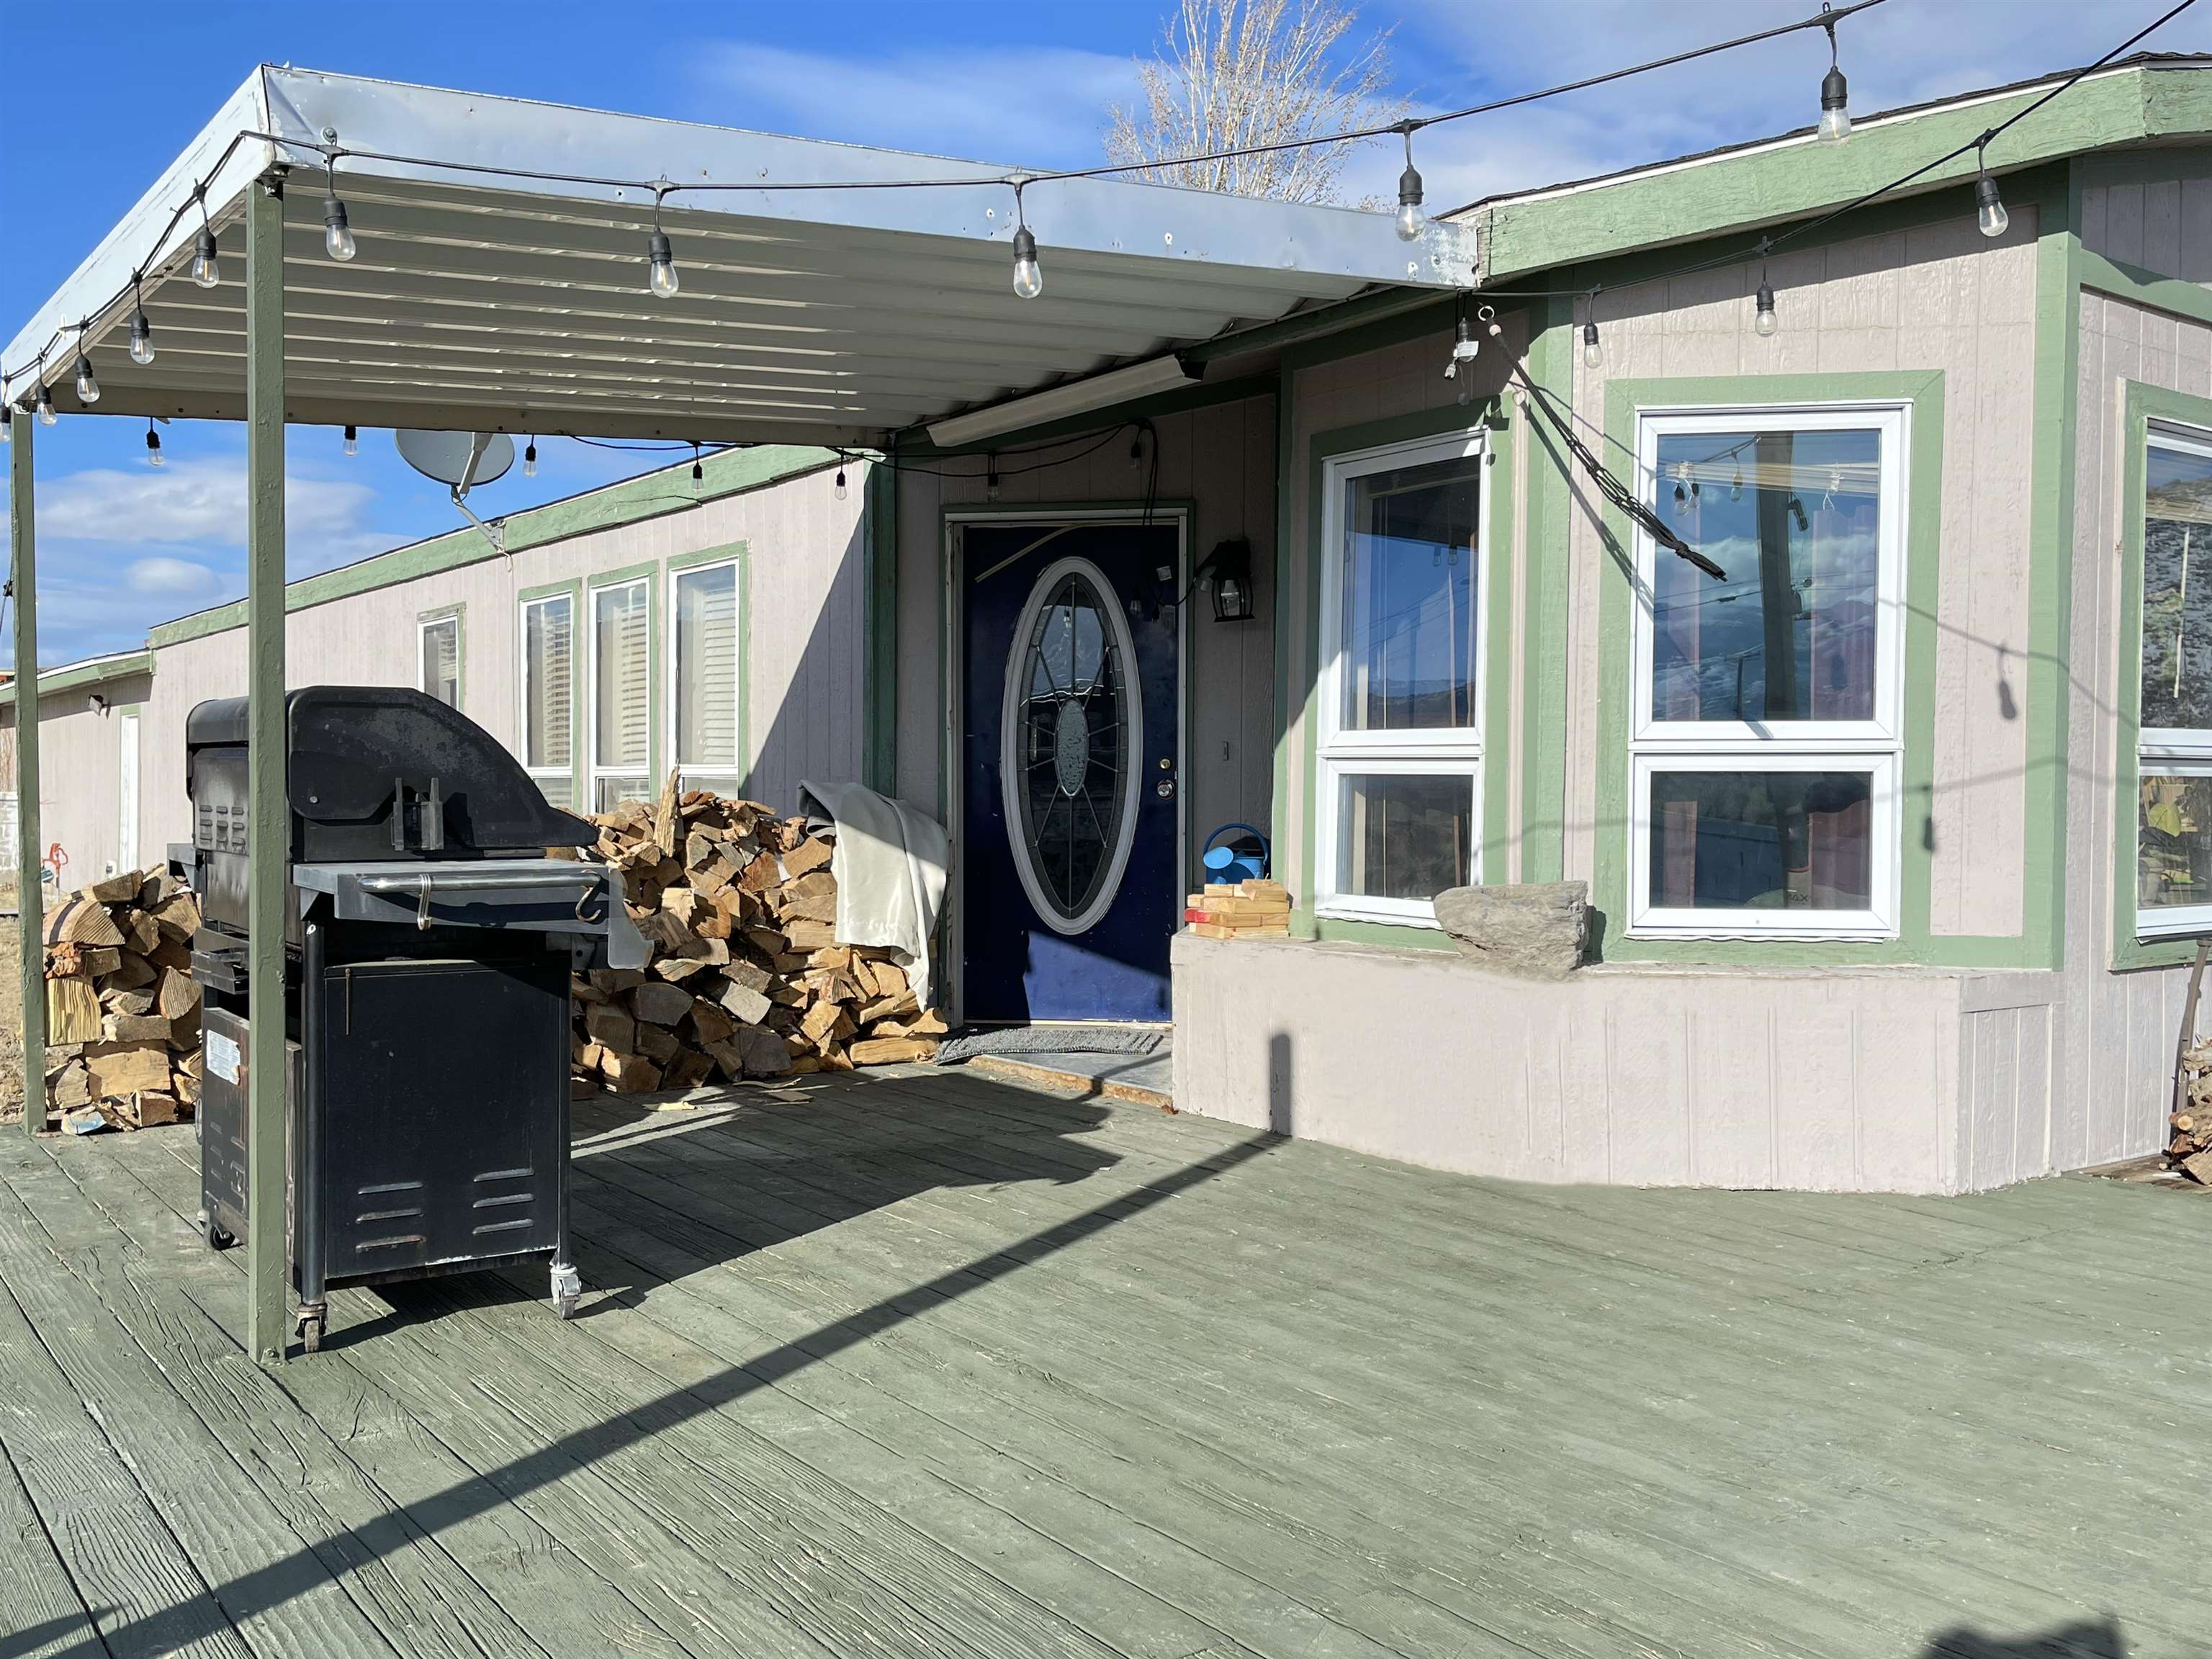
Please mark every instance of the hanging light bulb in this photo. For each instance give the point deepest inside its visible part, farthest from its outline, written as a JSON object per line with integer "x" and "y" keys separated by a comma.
{"x": 45, "y": 405}
{"x": 698, "y": 474}
{"x": 660, "y": 257}
{"x": 1835, "y": 97}
{"x": 841, "y": 481}
{"x": 991, "y": 479}
{"x": 88, "y": 384}
{"x": 1029, "y": 275}
{"x": 1412, "y": 222}
{"x": 7, "y": 423}
{"x": 206, "y": 271}
{"x": 153, "y": 446}
{"x": 1735, "y": 489}
{"x": 1989, "y": 208}
{"x": 530, "y": 459}
{"x": 1593, "y": 353}
{"x": 337, "y": 235}
{"x": 142, "y": 334}
{"x": 1764, "y": 322}
{"x": 352, "y": 440}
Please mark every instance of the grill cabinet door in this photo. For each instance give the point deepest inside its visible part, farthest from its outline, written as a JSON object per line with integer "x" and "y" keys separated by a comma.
{"x": 442, "y": 1104}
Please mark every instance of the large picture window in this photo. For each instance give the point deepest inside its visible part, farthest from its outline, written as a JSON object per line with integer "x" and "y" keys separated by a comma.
{"x": 621, "y": 694}
{"x": 1400, "y": 730}
{"x": 2174, "y": 820}
{"x": 1768, "y": 735}
{"x": 707, "y": 666}
{"x": 549, "y": 679}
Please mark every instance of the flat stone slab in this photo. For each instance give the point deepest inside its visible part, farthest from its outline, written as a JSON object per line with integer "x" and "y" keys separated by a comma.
{"x": 1531, "y": 931}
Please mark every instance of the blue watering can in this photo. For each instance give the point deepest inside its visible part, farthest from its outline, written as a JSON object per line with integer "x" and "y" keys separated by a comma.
{"x": 1244, "y": 859}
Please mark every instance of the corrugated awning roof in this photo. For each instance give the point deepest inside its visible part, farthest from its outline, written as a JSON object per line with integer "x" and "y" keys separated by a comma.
{"x": 483, "y": 302}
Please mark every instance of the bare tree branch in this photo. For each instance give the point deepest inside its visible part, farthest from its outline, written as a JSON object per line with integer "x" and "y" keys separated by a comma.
{"x": 1235, "y": 74}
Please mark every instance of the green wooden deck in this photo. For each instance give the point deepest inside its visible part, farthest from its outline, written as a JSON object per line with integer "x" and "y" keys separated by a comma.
{"x": 930, "y": 1365}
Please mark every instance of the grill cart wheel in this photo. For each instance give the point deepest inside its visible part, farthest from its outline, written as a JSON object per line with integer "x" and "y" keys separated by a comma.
{"x": 568, "y": 1285}
{"x": 565, "y": 1306}
{"x": 216, "y": 1238}
{"x": 311, "y": 1328}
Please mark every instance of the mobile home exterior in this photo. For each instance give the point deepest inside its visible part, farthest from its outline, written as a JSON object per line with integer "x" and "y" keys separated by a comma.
{"x": 1895, "y": 835}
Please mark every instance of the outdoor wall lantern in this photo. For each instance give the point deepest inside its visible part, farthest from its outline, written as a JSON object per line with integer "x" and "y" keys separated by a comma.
{"x": 1229, "y": 567}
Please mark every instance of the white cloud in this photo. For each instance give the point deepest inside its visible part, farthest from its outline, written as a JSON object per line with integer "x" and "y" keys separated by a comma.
{"x": 193, "y": 501}
{"x": 165, "y": 575}
{"x": 1040, "y": 106}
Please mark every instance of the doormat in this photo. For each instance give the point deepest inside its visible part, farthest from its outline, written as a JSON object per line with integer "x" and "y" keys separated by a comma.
{"x": 1053, "y": 1040}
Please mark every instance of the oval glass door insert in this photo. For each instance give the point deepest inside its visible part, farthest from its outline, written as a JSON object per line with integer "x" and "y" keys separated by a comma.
{"x": 1072, "y": 729}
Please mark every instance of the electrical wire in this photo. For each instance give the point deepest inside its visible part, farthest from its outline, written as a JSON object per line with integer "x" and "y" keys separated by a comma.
{"x": 330, "y": 152}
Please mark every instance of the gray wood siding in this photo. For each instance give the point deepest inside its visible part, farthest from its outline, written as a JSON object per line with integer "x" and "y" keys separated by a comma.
{"x": 804, "y": 649}
{"x": 1222, "y": 458}
{"x": 2161, "y": 226}
{"x": 2118, "y": 1028}
{"x": 80, "y": 776}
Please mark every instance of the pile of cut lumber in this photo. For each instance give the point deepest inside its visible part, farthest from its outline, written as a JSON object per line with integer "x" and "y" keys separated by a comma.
{"x": 1240, "y": 910}
{"x": 123, "y": 1011}
{"x": 747, "y": 979}
{"x": 2191, "y": 1145}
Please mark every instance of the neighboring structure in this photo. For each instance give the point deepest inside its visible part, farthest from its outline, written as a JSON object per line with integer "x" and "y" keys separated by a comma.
{"x": 1893, "y": 834}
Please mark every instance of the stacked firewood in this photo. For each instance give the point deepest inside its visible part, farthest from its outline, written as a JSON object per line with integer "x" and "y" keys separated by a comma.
{"x": 123, "y": 1011}
{"x": 747, "y": 978}
{"x": 2191, "y": 1145}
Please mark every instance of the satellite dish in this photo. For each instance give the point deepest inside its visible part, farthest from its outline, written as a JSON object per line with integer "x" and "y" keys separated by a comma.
{"x": 461, "y": 461}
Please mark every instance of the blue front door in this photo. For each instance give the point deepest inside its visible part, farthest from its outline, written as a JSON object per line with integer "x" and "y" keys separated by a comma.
{"x": 1071, "y": 772}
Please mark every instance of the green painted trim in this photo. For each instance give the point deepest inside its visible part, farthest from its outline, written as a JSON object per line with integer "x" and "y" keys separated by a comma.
{"x": 72, "y": 675}
{"x": 30, "y": 845}
{"x": 1795, "y": 178}
{"x": 2050, "y": 570}
{"x": 459, "y": 613}
{"x": 879, "y": 628}
{"x": 727, "y": 553}
{"x": 1498, "y": 737}
{"x": 727, "y": 472}
{"x": 1547, "y": 519}
{"x": 573, "y": 591}
{"x": 2143, "y": 405}
{"x": 1279, "y": 810}
{"x": 2145, "y": 288}
{"x": 1915, "y": 942}
{"x": 1320, "y": 450}
{"x": 656, "y": 769}
{"x": 1329, "y": 929}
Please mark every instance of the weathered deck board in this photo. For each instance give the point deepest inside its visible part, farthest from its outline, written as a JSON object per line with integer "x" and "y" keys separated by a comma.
{"x": 925, "y": 1364}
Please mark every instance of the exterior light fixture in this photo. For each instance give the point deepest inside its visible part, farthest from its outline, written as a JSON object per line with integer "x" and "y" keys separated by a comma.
{"x": 153, "y": 446}
{"x": 87, "y": 383}
{"x": 45, "y": 405}
{"x": 337, "y": 235}
{"x": 1412, "y": 222}
{"x": 840, "y": 481}
{"x": 1989, "y": 206}
{"x": 1835, "y": 96}
{"x": 991, "y": 478}
{"x": 530, "y": 459}
{"x": 352, "y": 440}
{"x": 1230, "y": 569}
{"x": 1764, "y": 321}
{"x": 7, "y": 423}
{"x": 1593, "y": 352}
{"x": 660, "y": 255}
{"x": 1029, "y": 275}
{"x": 206, "y": 270}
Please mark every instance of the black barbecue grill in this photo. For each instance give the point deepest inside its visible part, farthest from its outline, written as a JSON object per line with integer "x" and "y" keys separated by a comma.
{"x": 429, "y": 944}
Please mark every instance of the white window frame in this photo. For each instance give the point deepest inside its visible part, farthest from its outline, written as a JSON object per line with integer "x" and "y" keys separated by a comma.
{"x": 594, "y": 773}
{"x": 1435, "y": 751}
{"x": 422, "y": 626}
{"x": 542, "y": 774}
{"x": 673, "y": 680}
{"x": 1874, "y": 745}
{"x": 2164, "y": 751}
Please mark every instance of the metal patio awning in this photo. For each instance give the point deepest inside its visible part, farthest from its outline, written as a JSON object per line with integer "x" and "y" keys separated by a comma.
{"x": 481, "y": 301}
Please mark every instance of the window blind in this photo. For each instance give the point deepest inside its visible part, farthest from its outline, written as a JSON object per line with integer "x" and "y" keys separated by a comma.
{"x": 707, "y": 667}
{"x": 442, "y": 661}
{"x": 548, "y": 672}
{"x": 623, "y": 671}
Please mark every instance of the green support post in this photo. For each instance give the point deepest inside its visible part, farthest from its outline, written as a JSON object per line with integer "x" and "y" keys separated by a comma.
{"x": 267, "y": 1245}
{"x": 880, "y": 601}
{"x": 30, "y": 894}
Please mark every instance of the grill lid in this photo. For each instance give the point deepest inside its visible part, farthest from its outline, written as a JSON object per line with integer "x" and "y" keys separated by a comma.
{"x": 356, "y": 755}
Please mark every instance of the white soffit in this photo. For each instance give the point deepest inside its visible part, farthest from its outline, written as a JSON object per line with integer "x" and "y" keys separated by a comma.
{"x": 516, "y": 304}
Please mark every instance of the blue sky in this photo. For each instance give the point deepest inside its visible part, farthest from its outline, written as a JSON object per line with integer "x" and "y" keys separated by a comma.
{"x": 122, "y": 546}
